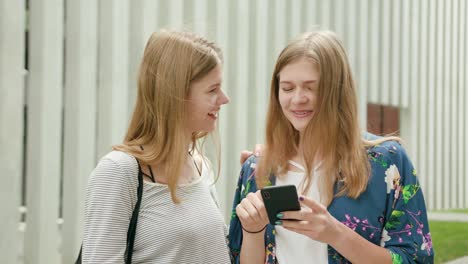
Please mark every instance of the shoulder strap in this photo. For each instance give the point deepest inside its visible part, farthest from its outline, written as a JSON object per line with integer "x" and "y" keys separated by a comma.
{"x": 78, "y": 259}
{"x": 133, "y": 222}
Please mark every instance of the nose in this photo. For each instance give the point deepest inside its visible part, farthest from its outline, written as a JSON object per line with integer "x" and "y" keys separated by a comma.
{"x": 223, "y": 98}
{"x": 299, "y": 96}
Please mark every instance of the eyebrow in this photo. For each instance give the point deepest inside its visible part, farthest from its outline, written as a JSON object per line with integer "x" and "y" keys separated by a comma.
{"x": 215, "y": 84}
{"x": 305, "y": 82}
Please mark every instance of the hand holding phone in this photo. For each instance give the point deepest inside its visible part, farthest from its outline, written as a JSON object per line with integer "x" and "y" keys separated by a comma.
{"x": 280, "y": 199}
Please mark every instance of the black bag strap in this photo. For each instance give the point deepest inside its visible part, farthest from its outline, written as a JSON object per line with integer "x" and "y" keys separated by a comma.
{"x": 78, "y": 259}
{"x": 133, "y": 222}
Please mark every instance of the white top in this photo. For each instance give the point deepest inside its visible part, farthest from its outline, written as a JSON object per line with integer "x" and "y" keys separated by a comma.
{"x": 190, "y": 232}
{"x": 292, "y": 247}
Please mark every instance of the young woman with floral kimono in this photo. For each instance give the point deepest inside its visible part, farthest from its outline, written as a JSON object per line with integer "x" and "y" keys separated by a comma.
{"x": 361, "y": 201}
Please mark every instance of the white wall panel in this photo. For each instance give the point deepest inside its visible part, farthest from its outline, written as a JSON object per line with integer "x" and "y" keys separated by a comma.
{"x": 384, "y": 48}
{"x": 375, "y": 61}
{"x": 261, "y": 87}
{"x": 351, "y": 33}
{"x": 142, "y": 22}
{"x": 44, "y": 136}
{"x": 439, "y": 103}
{"x": 175, "y": 11}
{"x": 462, "y": 99}
{"x": 362, "y": 70}
{"x": 80, "y": 100}
{"x": 400, "y": 95}
{"x": 296, "y": 18}
{"x": 465, "y": 108}
{"x": 279, "y": 24}
{"x": 453, "y": 116}
{"x": 113, "y": 71}
{"x": 417, "y": 74}
{"x": 228, "y": 176}
{"x": 240, "y": 89}
{"x": 339, "y": 18}
{"x": 431, "y": 103}
{"x": 311, "y": 11}
{"x": 325, "y": 9}
{"x": 12, "y": 27}
{"x": 445, "y": 95}
{"x": 397, "y": 36}
{"x": 200, "y": 17}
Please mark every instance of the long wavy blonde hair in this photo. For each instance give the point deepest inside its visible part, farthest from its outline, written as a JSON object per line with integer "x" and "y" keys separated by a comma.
{"x": 333, "y": 132}
{"x": 172, "y": 60}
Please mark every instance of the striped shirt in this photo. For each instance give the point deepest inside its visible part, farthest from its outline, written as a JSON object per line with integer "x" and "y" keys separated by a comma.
{"x": 190, "y": 232}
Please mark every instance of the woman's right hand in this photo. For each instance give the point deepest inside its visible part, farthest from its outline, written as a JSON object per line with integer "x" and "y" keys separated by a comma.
{"x": 252, "y": 213}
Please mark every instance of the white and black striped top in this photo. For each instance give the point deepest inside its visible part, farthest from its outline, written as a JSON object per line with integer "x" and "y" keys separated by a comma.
{"x": 190, "y": 232}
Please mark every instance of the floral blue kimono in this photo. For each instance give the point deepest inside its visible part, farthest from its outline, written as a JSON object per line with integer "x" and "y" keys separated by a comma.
{"x": 390, "y": 213}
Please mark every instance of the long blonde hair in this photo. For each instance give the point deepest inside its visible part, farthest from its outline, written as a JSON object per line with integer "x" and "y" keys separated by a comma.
{"x": 172, "y": 60}
{"x": 334, "y": 131}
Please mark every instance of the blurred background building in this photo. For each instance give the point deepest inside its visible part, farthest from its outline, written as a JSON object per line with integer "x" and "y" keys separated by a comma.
{"x": 68, "y": 83}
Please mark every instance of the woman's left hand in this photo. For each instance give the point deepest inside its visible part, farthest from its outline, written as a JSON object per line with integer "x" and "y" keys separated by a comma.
{"x": 313, "y": 220}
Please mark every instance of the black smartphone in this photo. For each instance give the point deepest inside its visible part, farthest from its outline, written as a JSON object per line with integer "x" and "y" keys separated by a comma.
{"x": 280, "y": 199}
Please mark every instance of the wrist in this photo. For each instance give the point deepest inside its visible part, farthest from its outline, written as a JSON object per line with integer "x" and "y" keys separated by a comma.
{"x": 254, "y": 231}
{"x": 339, "y": 235}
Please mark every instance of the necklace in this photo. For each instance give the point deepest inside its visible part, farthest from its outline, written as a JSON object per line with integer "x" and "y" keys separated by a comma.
{"x": 195, "y": 163}
{"x": 151, "y": 176}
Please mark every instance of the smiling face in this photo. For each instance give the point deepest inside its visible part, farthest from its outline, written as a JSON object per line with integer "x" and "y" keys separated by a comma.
{"x": 298, "y": 92}
{"x": 204, "y": 102}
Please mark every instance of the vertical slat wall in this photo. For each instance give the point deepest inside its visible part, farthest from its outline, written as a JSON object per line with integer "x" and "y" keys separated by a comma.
{"x": 402, "y": 95}
{"x": 362, "y": 59}
{"x": 446, "y": 95}
{"x": 434, "y": 123}
{"x": 408, "y": 54}
{"x": 238, "y": 88}
{"x": 384, "y": 26}
{"x": 439, "y": 101}
{"x": 44, "y": 136}
{"x": 428, "y": 146}
{"x": 374, "y": 85}
{"x": 12, "y": 92}
{"x": 262, "y": 75}
{"x": 223, "y": 22}
{"x": 79, "y": 132}
{"x": 453, "y": 114}
{"x": 143, "y": 20}
{"x": 113, "y": 63}
{"x": 462, "y": 99}
{"x": 415, "y": 29}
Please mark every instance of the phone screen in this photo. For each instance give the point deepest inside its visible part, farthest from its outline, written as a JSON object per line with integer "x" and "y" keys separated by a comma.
{"x": 279, "y": 199}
